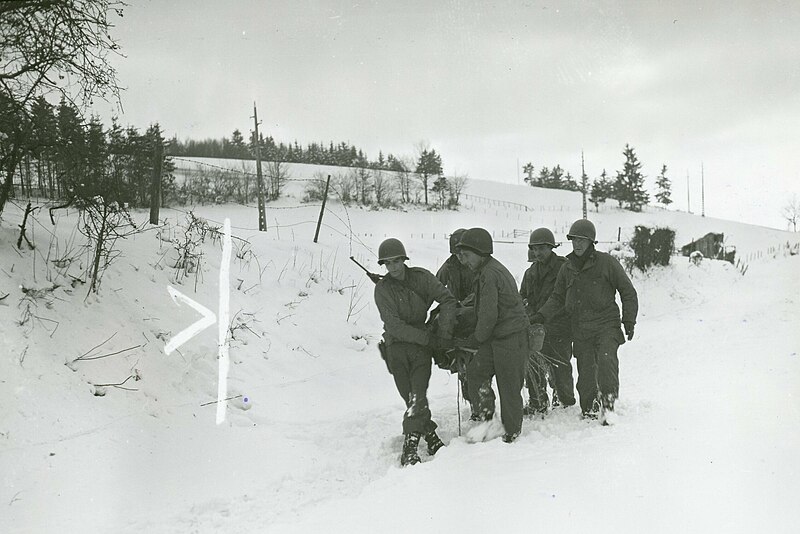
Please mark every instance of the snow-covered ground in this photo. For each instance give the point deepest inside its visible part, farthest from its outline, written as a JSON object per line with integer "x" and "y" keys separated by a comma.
{"x": 707, "y": 437}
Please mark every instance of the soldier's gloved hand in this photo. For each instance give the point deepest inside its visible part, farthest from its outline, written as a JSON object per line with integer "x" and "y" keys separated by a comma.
{"x": 375, "y": 277}
{"x": 537, "y": 318}
{"x": 628, "y": 326}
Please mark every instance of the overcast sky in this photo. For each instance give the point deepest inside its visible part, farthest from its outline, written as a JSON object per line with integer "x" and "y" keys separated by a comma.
{"x": 489, "y": 84}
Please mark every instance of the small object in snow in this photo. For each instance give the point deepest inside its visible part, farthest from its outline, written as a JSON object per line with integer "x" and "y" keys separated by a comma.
{"x": 246, "y": 402}
{"x": 99, "y": 391}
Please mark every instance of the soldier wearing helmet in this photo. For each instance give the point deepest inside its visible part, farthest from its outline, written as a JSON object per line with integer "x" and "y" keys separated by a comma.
{"x": 456, "y": 276}
{"x": 501, "y": 336}
{"x": 403, "y": 298}
{"x": 586, "y": 287}
{"x": 537, "y": 286}
{"x": 460, "y": 279}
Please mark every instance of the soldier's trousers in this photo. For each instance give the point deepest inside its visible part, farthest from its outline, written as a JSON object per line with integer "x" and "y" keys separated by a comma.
{"x": 410, "y": 365}
{"x": 598, "y": 367}
{"x": 559, "y": 350}
{"x": 504, "y": 359}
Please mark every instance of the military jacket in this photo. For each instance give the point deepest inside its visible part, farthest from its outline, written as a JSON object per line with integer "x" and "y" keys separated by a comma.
{"x": 498, "y": 305}
{"x": 537, "y": 286}
{"x": 589, "y": 295}
{"x": 457, "y": 277}
{"x": 404, "y": 304}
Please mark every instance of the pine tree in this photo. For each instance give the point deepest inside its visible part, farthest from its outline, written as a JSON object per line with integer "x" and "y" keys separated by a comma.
{"x": 441, "y": 187}
{"x": 544, "y": 176}
{"x": 71, "y": 145}
{"x": 569, "y": 183}
{"x": 629, "y": 185}
{"x": 238, "y": 146}
{"x": 528, "y": 170}
{"x": 601, "y": 190}
{"x": 429, "y": 164}
{"x": 664, "y": 188}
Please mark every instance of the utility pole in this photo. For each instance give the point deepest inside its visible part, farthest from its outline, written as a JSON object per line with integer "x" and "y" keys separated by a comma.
{"x": 583, "y": 189}
{"x": 702, "y": 191}
{"x": 688, "y": 195}
{"x": 155, "y": 183}
{"x": 262, "y": 213}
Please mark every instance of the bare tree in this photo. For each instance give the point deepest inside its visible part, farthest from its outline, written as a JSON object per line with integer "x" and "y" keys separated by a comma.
{"x": 363, "y": 176}
{"x": 52, "y": 46}
{"x": 791, "y": 212}
{"x": 277, "y": 176}
{"x": 344, "y": 185}
{"x": 458, "y": 183}
{"x": 409, "y": 164}
{"x": 247, "y": 178}
{"x": 384, "y": 192}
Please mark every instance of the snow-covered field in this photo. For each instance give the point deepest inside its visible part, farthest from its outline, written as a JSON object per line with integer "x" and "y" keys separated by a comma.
{"x": 707, "y": 438}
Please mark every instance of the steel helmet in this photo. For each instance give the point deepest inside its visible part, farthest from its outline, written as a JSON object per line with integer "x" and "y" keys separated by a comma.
{"x": 542, "y": 236}
{"x": 391, "y": 248}
{"x": 455, "y": 237}
{"x": 583, "y": 228}
{"x": 478, "y": 240}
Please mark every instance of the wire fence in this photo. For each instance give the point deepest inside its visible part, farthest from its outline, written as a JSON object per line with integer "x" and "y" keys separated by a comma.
{"x": 509, "y": 210}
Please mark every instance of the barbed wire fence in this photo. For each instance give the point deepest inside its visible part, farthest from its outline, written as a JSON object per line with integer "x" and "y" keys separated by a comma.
{"x": 512, "y": 211}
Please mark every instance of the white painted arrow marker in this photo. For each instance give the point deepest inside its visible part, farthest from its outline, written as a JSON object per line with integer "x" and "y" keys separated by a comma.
{"x": 195, "y": 328}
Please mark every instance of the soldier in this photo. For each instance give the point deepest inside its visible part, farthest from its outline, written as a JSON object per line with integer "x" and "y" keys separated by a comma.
{"x": 460, "y": 279}
{"x": 587, "y": 286}
{"x": 537, "y": 286}
{"x": 501, "y": 334}
{"x": 456, "y": 276}
{"x": 403, "y": 298}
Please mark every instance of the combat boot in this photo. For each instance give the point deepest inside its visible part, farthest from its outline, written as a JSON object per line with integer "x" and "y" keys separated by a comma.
{"x": 410, "y": 455}
{"x": 607, "y": 415}
{"x": 592, "y": 413}
{"x": 509, "y": 437}
{"x": 433, "y": 441}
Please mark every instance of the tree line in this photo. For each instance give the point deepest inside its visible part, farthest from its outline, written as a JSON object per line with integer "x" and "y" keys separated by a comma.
{"x": 65, "y": 157}
{"x": 627, "y": 187}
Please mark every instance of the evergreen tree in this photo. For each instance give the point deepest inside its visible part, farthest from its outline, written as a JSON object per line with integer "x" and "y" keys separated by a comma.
{"x": 629, "y": 185}
{"x": 70, "y": 146}
{"x": 664, "y": 188}
{"x": 238, "y": 146}
{"x": 429, "y": 164}
{"x": 528, "y": 170}
{"x": 570, "y": 184}
{"x": 441, "y": 188}
{"x": 96, "y": 158}
{"x": 543, "y": 178}
{"x": 601, "y": 190}
{"x": 556, "y": 178}
{"x": 43, "y": 140}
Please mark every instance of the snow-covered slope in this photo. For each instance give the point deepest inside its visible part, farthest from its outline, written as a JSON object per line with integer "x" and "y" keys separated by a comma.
{"x": 707, "y": 436}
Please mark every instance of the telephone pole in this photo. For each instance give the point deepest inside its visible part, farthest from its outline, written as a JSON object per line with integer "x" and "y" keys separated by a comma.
{"x": 702, "y": 191}
{"x": 583, "y": 188}
{"x": 155, "y": 182}
{"x": 262, "y": 214}
{"x": 688, "y": 195}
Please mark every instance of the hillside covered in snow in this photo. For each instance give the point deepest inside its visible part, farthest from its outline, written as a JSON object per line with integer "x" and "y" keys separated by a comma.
{"x": 101, "y": 430}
